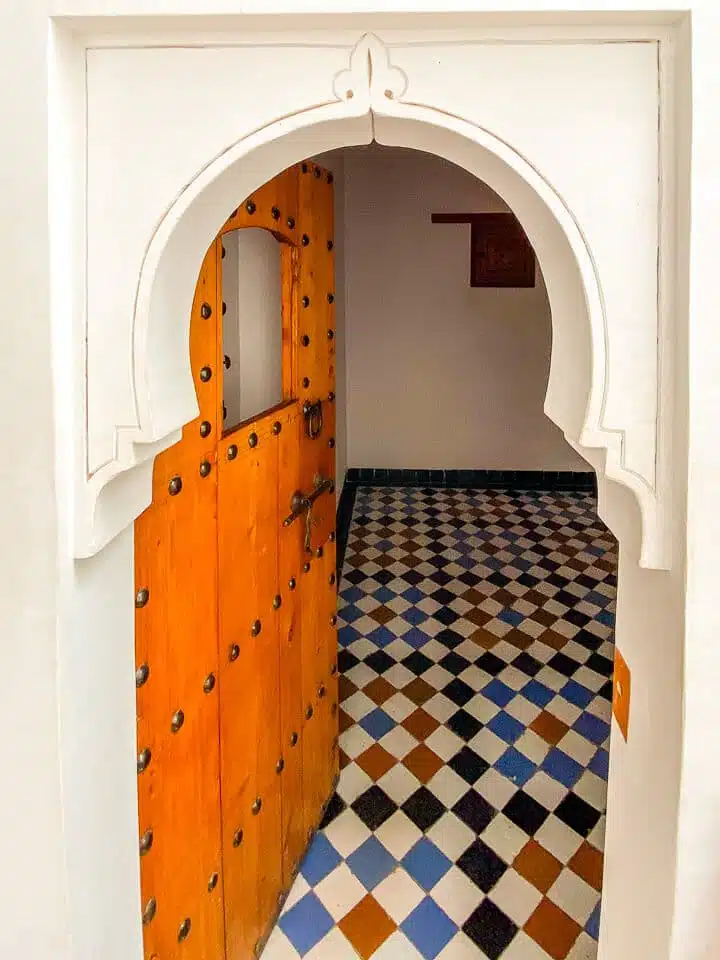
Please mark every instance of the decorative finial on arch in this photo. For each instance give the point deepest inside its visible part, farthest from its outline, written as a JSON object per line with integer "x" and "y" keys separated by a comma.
{"x": 371, "y": 75}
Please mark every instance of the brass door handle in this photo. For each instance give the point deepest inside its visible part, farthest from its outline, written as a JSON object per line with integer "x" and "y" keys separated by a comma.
{"x": 303, "y": 502}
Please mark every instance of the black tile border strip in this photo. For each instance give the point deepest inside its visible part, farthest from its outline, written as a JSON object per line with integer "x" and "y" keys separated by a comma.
{"x": 345, "y": 508}
{"x": 474, "y": 479}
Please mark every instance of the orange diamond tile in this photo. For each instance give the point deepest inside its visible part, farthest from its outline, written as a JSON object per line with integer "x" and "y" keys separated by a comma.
{"x": 344, "y": 760}
{"x": 518, "y": 639}
{"x": 345, "y": 721}
{"x": 538, "y": 866}
{"x": 346, "y": 688}
{"x": 477, "y": 616}
{"x": 588, "y": 864}
{"x": 375, "y": 761}
{"x": 367, "y": 926}
{"x": 555, "y": 640}
{"x": 550, "y": 728}
{"x": 553, "y": 930}
{"x": 419, "y": 691}
{"x": 483, "y": 638}
{"x": 420, "y": 724}
{"x": 423, "y": 762}
{"x": 383, "y": 614}
{"x": 379, "y": 690}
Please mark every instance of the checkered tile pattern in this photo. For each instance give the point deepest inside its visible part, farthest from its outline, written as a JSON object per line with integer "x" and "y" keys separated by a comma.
{"x": 476, "y": 659}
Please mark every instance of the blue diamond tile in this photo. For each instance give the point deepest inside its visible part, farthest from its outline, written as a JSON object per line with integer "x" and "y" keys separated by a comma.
{"x": 606, "y": 618}
{"x": 506, "y": 727}
{"x": 429, "y": 928}
{"x": 515, "y": 766}
{"x": 537, "y": 693}
{"x": 381, "y": 637}
{"x": 416, "y": 638}
{"x": 498, "y": 692}
{"x": 377, "y": 723}
{"x": 599, "y": 599}
{"x": 352, "y": 594}
{"x": 371, "y": 863}
{"x": 382, "y": 595}
{"x": 347, "y": 635}
{"x": 350, "y": 613}
{"x": 384, "y": 545}
{"x": 592, "y": 927}
{"x": 320, "y": 860}
{"x": 413, "y": 595}
{"x": 562, "y": 768}
{"x": 592, "y": 728}
{"x": 426, "y": 864}
{"x": 513, "y": 617}
{"x": 600, "y": 764}
{"x": 576, "y": 693}
{"x": 414, "y": 615}
{"x": 306, "y": 923}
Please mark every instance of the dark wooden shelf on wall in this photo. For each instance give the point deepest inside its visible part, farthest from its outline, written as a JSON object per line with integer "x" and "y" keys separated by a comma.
{"x": 500, "y": 253}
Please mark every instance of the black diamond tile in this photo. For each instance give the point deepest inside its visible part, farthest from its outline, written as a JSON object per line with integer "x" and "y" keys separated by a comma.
{"x": 383, "y": 577}
{"x": 527, "y": 664}
{"x": 459, "y": 692}
{"x": 474, "y": 810}
{"x": 499, "y": 579}
{"x": 374, "y": 807}
{"x": 490, "y": 930}
{"x": 525, "y": 812}
{"x": 606, "y": 691}
{"x": 334, "y": 808}
{"x": 449, "y": 638}
{"x": 454, "y": 663}
{"x": 446, "y": 616}
{"x": 440, "y": 577}
{"x": 563, "y": 664}
{"x": 423, "y": 808}
{"x": 600, "y": 664}
{"x": 464, "y": 724}
{"x": 354, "y": 576}
{"x": 588, "y": 640}
{"x": 468, "y": 765}
{"x": 577, "y": 814}
{"x": 379, "y": 661}
{"x": 443, "y": 597}
{"x": 469, "y": 578}
{"x": 482, "y": 865}
{"x": 577, "y": 618}
{"x": 346, "y": 661}
{"x": 490, "y": 663}
{"x": 417, "y": 662}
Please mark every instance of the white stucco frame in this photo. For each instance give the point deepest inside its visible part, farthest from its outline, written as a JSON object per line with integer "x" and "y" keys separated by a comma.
{"x": 107, "y": 499}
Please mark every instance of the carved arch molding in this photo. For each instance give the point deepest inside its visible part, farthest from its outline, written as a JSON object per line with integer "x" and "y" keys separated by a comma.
{"x": 566, "y": 133}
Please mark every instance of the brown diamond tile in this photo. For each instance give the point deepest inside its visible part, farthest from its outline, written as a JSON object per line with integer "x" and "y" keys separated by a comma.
{"x": 504, "y": 597}
{"x": 519, "y": 639}
{"x": 375, "y": 761}
{"x": 344, "y": 760}
{"x": 384, "y": 560}
{"x": 346, "y": 688}
{"x": 345, "y": 721}
{"x": 544, "y": 617}
{"x": 382, "y": 614}
{"x": 553, "y": 930}
{"x": 588, "y": 864}
{"x": 367, "y": 926}
{"x": 537, "y": 865}
{"x": 419, "y": 691}
{"x": 473, "y": 596}
{"x": 379, "y": 690}
{"x": 555, "y": 640}
{"x": 549, "y": 727}
{"x": 477, "y": 616}
{"x": 483, "y": 638}
{"x": 420, "y": 724}
{"x": 423, "y": 762}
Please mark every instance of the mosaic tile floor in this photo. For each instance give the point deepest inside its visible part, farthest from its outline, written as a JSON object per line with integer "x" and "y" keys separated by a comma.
{"x": 476, "y": 659}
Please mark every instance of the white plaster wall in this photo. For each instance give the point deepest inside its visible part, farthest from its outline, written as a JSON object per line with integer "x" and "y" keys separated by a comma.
{"x": 439, "y": 375}
{"x": 35, "y": 825}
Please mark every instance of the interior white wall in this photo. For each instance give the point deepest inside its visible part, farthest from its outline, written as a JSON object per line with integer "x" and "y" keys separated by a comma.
{"x": 439, "y": 375}
{"x": 252, "y": 326}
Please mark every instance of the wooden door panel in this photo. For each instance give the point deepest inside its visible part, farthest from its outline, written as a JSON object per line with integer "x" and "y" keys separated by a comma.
{"x": 178, "y": 789}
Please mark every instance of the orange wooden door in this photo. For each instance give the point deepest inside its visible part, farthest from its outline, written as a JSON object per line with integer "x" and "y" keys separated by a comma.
{"x": 238, "y": 627}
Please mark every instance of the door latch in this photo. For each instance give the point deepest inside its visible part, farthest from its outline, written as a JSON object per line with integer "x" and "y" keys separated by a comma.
{"x": 302, "y": 503}
{"x": 313, "y": 418}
